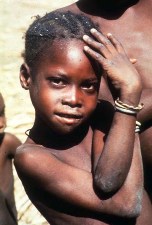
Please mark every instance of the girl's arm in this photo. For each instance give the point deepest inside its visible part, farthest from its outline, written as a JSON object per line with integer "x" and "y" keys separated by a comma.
{"x": 40, "y": 170}
{"x": 125, "y": 83}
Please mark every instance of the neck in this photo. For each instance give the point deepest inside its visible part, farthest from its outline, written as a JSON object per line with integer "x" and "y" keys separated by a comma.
{"x": 42, "y": 134}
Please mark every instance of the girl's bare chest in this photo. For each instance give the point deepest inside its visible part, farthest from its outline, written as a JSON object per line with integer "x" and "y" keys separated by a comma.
{"x": 77, "y": 156}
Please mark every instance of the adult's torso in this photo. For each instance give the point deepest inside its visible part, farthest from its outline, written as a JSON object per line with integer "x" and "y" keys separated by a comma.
{"x": 133, "y": 28}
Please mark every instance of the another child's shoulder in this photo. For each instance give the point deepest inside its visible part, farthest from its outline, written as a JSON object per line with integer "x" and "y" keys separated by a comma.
{"x": 12, "y": 139}
{"x": 9, "y": 143}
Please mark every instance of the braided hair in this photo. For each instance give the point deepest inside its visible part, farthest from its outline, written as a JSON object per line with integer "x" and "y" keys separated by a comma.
{"x": 54, "y": 26}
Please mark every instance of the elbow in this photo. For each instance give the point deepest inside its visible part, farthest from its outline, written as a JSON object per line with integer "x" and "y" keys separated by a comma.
{"x": 132, "y": 211}
{"x": 133, "y": 206}
{"x": 102, "y": 186}
{"x": 106, "y": 185}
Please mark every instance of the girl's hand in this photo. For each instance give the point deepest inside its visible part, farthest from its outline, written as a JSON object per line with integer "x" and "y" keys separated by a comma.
{"x": 118, "y": 67}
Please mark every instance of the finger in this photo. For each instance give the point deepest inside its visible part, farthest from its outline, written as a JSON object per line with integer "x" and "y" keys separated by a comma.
{"x": 116, "y": 43}
{"x": 133, "y": 61}
{"x": 95, "y": 55}
{"x": 96, "y": 45}
{"x": 104, "y": 40}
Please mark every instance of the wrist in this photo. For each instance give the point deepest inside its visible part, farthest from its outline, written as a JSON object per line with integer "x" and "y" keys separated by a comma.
{"x": 131, "y": 94}
{"x": 131, "y": 98}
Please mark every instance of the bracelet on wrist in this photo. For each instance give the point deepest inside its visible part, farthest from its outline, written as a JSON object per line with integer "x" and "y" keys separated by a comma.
{"x": 128, "y": 109}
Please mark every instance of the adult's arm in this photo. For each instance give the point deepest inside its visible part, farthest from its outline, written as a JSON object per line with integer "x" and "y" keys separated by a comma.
{"x": 145, "y": 115}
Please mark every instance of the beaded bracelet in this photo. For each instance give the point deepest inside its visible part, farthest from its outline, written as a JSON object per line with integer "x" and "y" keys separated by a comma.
{"x": 128, "y": 109}
{"x": 137, "y": 128}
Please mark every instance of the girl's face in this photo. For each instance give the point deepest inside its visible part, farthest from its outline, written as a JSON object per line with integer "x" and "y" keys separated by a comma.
{"x": 65, "y": 88}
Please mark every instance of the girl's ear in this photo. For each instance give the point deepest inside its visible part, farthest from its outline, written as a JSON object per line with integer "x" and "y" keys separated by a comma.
{"x": 25, "y": 77}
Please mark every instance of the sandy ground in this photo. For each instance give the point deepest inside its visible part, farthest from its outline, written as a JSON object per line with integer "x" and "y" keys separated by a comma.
{"x": 16, "y": 15}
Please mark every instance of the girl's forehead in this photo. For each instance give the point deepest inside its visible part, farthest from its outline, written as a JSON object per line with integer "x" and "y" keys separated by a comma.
{"x": 67, "y": 48}
{"x": 64, "y": 43}
{"x": 66, "y": 57}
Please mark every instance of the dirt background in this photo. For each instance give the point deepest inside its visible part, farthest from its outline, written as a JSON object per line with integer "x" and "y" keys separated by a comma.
{"x": 16, "y": 15}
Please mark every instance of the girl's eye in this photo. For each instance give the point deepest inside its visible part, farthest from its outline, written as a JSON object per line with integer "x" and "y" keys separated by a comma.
{"x": 57, "y": 82}
{"x": 90, "y": 87}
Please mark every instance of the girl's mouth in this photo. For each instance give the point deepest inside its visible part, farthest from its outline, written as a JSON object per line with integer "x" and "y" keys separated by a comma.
{"x": 69, "y": 119}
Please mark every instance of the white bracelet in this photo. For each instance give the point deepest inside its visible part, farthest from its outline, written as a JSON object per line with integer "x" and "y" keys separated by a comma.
{"x": 123, "y": 105}
{"x": 127, "y": 111}
{"x": 130, "y": 112}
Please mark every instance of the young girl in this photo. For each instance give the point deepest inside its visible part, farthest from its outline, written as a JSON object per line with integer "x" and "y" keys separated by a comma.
{"x": 76, "y": 166}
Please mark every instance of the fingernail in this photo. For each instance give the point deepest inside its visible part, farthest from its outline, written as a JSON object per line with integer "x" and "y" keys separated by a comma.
{"x": 109, "y": 35}
{"x": 86, "y": 48}
{"x": 85, "y": 37}
{"x": 93, "y": 30}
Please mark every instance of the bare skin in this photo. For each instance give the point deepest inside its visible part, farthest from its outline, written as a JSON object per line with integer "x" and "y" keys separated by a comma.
{"x": 8, "y": 145}
{"x": 55, "y": 164}
{"x": 130, "y": 22}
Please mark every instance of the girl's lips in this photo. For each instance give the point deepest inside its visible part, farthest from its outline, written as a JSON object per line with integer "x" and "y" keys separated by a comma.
{"x": 70, "y": 115}
{"x": 69, "y": 118}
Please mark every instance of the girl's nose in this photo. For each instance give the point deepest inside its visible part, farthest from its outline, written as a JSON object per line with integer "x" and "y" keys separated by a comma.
{"x": 73, "y": 97}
